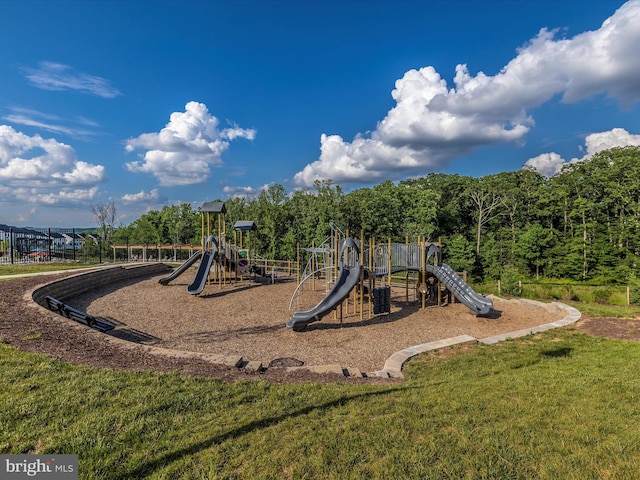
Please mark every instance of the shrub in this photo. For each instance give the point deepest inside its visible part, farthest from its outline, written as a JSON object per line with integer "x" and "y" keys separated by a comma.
{"x": 568, "y": 293}
{"x": 602, "y": 295}
{"x": 509, "y": 282}
{"x": 634, "y": 290}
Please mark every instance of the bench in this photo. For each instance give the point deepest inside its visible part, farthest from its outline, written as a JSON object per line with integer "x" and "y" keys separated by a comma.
{"x": 77, "y": 315}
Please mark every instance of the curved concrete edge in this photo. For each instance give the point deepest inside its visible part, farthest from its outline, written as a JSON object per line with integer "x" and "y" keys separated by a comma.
{"x": 393, "y": 365}
{"x": 33, "y": 298}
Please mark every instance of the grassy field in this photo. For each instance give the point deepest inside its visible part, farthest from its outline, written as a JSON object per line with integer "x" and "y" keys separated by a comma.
{"x": 20, "y": 269}
{"x": 556, "y": 405}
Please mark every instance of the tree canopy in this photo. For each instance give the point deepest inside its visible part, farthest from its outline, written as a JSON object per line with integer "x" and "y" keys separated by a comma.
{"x": 583, "y": 223}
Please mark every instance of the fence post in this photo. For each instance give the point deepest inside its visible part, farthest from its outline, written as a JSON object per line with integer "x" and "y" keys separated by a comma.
{"x": 11, "y": 244}
{"x": 499, "y": 290}
{"x": 628, "y": 296}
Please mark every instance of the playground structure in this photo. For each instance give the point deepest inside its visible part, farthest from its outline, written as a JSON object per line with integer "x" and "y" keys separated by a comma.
{"x": 347, "y": 265}
{"x": 220, "y": 259}
{"x": 357, "y": 266}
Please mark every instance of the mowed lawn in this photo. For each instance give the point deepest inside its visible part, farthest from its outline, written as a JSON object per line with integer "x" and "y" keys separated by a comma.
{"x": 556, "y": 405}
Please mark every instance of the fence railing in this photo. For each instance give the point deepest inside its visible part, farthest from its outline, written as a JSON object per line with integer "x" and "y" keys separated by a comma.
{"x": 603, "y": 294}
{"x": 30, "y": 245}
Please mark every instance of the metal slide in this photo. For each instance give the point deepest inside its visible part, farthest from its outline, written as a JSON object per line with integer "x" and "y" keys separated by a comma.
{"x": 478, "y": 304}
{"x": 347, "y": 279}
{"x": 202, "y": 274}
{"x": 181, "y": 269}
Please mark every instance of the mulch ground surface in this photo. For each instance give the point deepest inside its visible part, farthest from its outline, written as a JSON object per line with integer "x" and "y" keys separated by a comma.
{"x": 29, "y": 328}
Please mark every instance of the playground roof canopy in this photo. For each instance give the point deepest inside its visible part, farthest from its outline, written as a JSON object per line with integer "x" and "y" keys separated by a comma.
{"x": 245, "y": 225}
{"x": 213, "y": 207}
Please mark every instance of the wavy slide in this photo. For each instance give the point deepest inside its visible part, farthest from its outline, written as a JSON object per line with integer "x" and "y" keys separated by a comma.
{"x": 181, "y": 269}
{"x": 348, "y": 278}
{"x": 478, "y": 304}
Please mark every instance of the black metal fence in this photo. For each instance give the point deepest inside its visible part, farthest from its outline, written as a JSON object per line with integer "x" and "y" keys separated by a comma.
{"x": 29, "y": 245}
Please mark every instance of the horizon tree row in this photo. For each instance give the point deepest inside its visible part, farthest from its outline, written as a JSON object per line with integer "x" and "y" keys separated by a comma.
{"x": 582, "y": 224}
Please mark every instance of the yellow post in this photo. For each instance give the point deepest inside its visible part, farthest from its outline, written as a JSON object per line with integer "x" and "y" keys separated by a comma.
{"x": 336, "y": 259}
{"x": 372, "y": 244}
{"x": 313, "y": 256}
{"x": 389, "y": 261}
{"x": 435, "y": 261}
{"x": 361, "y": 299}
{"x": 298, "y": 262}
{"x": 406, "y": 276}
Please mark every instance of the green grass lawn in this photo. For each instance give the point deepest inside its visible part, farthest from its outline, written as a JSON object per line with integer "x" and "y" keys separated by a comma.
{"x": 18, "y": 269}
{"x": 556, "y": 405}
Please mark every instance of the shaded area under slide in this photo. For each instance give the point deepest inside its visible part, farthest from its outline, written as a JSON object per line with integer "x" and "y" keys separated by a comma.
{"x": 181, "y": 269}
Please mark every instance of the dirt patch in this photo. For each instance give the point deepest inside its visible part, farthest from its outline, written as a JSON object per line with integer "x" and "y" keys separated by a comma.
{"x": 618, "y": 328}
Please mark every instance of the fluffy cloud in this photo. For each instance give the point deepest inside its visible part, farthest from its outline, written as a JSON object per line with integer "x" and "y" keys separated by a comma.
{"x": 549, "y": 164}
{"x": 142, "y": 196}
{"x": 56, "y": 76}
{"x": 182, "y": 152}
{"x": 239, "y": 192}
{"x": 431, "y": 123}
{"x": 38, "y": 170}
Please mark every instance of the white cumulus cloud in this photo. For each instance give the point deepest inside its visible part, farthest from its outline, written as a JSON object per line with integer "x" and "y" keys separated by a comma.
{"x": 38, "y": 170}
{"x": 239, "y": 192}
{"x": 432, "y": 123}
{"x": 142, "y": 196}
{"x": 183, "y": 151}
{"x": 549, "y": 164}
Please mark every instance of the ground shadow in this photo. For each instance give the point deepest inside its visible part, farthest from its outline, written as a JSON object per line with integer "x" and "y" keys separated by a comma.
{"x": 162, "y": 461}
{"x": 212, "y": 336}
{"x": 223, "y": 293}
{"x": 557, "y": 352}
{"x": 400, "y": 310}
{"x": 492, "y": 315}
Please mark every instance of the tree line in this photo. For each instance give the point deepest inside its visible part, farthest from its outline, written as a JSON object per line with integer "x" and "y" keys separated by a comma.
{"x": 581, "y": 224}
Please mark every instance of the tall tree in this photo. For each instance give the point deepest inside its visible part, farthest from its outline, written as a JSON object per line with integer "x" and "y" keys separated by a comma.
{"x": 489, "y": 205}
{"x": 105, "y": 215}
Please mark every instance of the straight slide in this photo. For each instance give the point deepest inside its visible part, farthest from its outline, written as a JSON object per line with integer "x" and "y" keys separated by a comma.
{"x": 478, "y": 304}
{"x": 201, "y": 275}
{"x": 181, "y": 269}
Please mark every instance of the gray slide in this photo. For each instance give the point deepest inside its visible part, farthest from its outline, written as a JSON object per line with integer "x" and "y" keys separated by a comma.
{"x": 181, "y": 269}
{"x": 203, "y": 272}
{"x": 478, "y": 304}
{"x": 347, "y": 279}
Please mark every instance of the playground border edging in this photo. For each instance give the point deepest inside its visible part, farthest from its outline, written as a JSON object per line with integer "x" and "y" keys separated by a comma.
{"x": 73, "y": 285}
{"x": 393, "y": 365}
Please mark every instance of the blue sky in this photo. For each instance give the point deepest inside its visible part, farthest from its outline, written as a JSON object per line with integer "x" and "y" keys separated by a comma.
{"x": 155, "y": 103}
